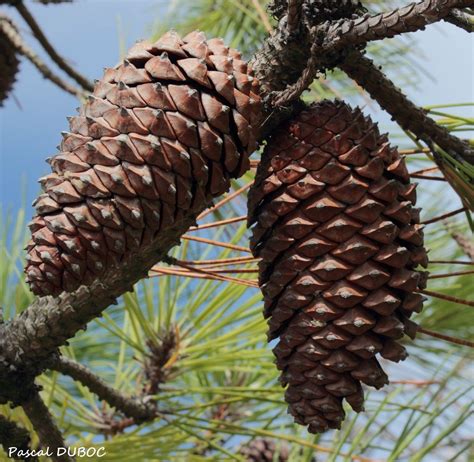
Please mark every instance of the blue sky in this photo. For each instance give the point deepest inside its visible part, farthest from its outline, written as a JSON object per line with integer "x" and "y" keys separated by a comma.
{"x": 91, "y": 33}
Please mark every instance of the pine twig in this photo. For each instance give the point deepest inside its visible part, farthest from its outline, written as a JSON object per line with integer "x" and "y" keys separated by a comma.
{"x": 444, "y": 216}
{"x": 294, "y": 15}
{"x": 461, "y": 19}
{"x": 221, "y": 261}
{"x": 204, "y": 240}
{"x": 450, "y": 275}
{"x": 46, "y": 44}
{"x": 410, "y": 18}
{"x": 22, "y": 48}
{"x": 447, "y": 338}
{"x": 13, "y": 435}
{"x": 451, "y": 262}
{"x": 216, "y": 224}
{"x": 44, "y": 425}
{"x": 307, "y": 76}
{"x": 129, "y": 406}
{"x": 447, "y": 298}
{"x": 225, "y": 200}
{"x": 409, "y": 116}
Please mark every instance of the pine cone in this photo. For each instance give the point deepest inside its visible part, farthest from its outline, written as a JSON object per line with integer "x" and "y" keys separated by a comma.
{"x": 161, "y": 136}
{"x": 264, "y": 450}
{"x": 9, "y": 62}
{"x": 339, "y": 240}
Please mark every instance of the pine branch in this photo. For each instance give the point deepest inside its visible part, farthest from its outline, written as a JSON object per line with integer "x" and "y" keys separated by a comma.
{"x": 46, "y": 44}
{"x": 44, "y": 425}
{"x": 14, "y": 436}
{"x": 33, "y": 337}
{"x": 410, "y": 18}
{"x": 129, "y": 406}
{"x": 22, "y": 48}
{"x": 294, "y": 15}
{"x": 461, "y": 19}
{"x": 446, "y": 338}
{"x": 409, "y": 116}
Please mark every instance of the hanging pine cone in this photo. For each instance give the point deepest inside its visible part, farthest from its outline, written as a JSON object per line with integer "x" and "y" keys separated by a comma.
{"x": 265, "y": 450}
{"x": 161, "y": 136}
{"x": 339, "y": 240}
{"x": 8, "y": 60}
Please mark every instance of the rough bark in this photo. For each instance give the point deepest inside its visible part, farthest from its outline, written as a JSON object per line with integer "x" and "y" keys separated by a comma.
{"x": 14, "y": 436}
{"x": 36, "y": 334}
{"x": 129, "y": 406}
{"x": 461, "y": 19}
{"x": 410, "y": 18}
{"x": 50, "y": 437}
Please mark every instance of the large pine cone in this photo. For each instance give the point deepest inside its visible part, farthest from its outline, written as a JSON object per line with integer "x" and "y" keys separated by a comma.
{"x": 339, "y": 240}
{"x": 9, "y": 62}
{"x": 161, "y": 136}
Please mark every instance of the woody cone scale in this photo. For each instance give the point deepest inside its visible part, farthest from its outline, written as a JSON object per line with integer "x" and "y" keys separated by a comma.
{"x": 160, "y": 137}
{"x": 339, "y": 238}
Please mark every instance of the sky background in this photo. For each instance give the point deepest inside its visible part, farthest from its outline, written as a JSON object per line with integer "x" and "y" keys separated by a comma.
{"x": 92, "y": 34}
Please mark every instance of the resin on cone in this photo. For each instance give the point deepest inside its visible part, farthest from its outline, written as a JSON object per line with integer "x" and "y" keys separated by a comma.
{"x": 8, "y": 60}
{"x": 340, "y": 240}
{"x": 160, "y": 137}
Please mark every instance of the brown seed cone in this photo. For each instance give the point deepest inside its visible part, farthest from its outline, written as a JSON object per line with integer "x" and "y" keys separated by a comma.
{"x": 265, "y": 450}
{"x": 161, "y": 136}
{"x": 339, "y": 240}
{"x": 9, "y": 62}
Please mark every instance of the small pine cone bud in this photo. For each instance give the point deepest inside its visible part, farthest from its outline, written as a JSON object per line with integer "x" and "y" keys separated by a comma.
{"x": 318, "y": 11}
{"x": 9, "y": 62}
{"x": 339, "y": 238}
{"x": 160, "y": 137}
{"x": 265, "y": 450}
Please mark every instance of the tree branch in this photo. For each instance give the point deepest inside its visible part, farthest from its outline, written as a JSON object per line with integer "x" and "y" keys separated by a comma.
{"x": 14, "y": 436}
{"x": 294, "y": 15}
{"x": 410, "y": 18}
{"x": 46, "y": 44}
{"x": 409, "y": 116}
{"x": 461, "y": 19}
{"x": 33, "y": 337}
{"x": 129, "y": 406}
{"x": 446, "y": 338}
{"x": 22, "y": 48}
{"x": 44, "y": 425}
